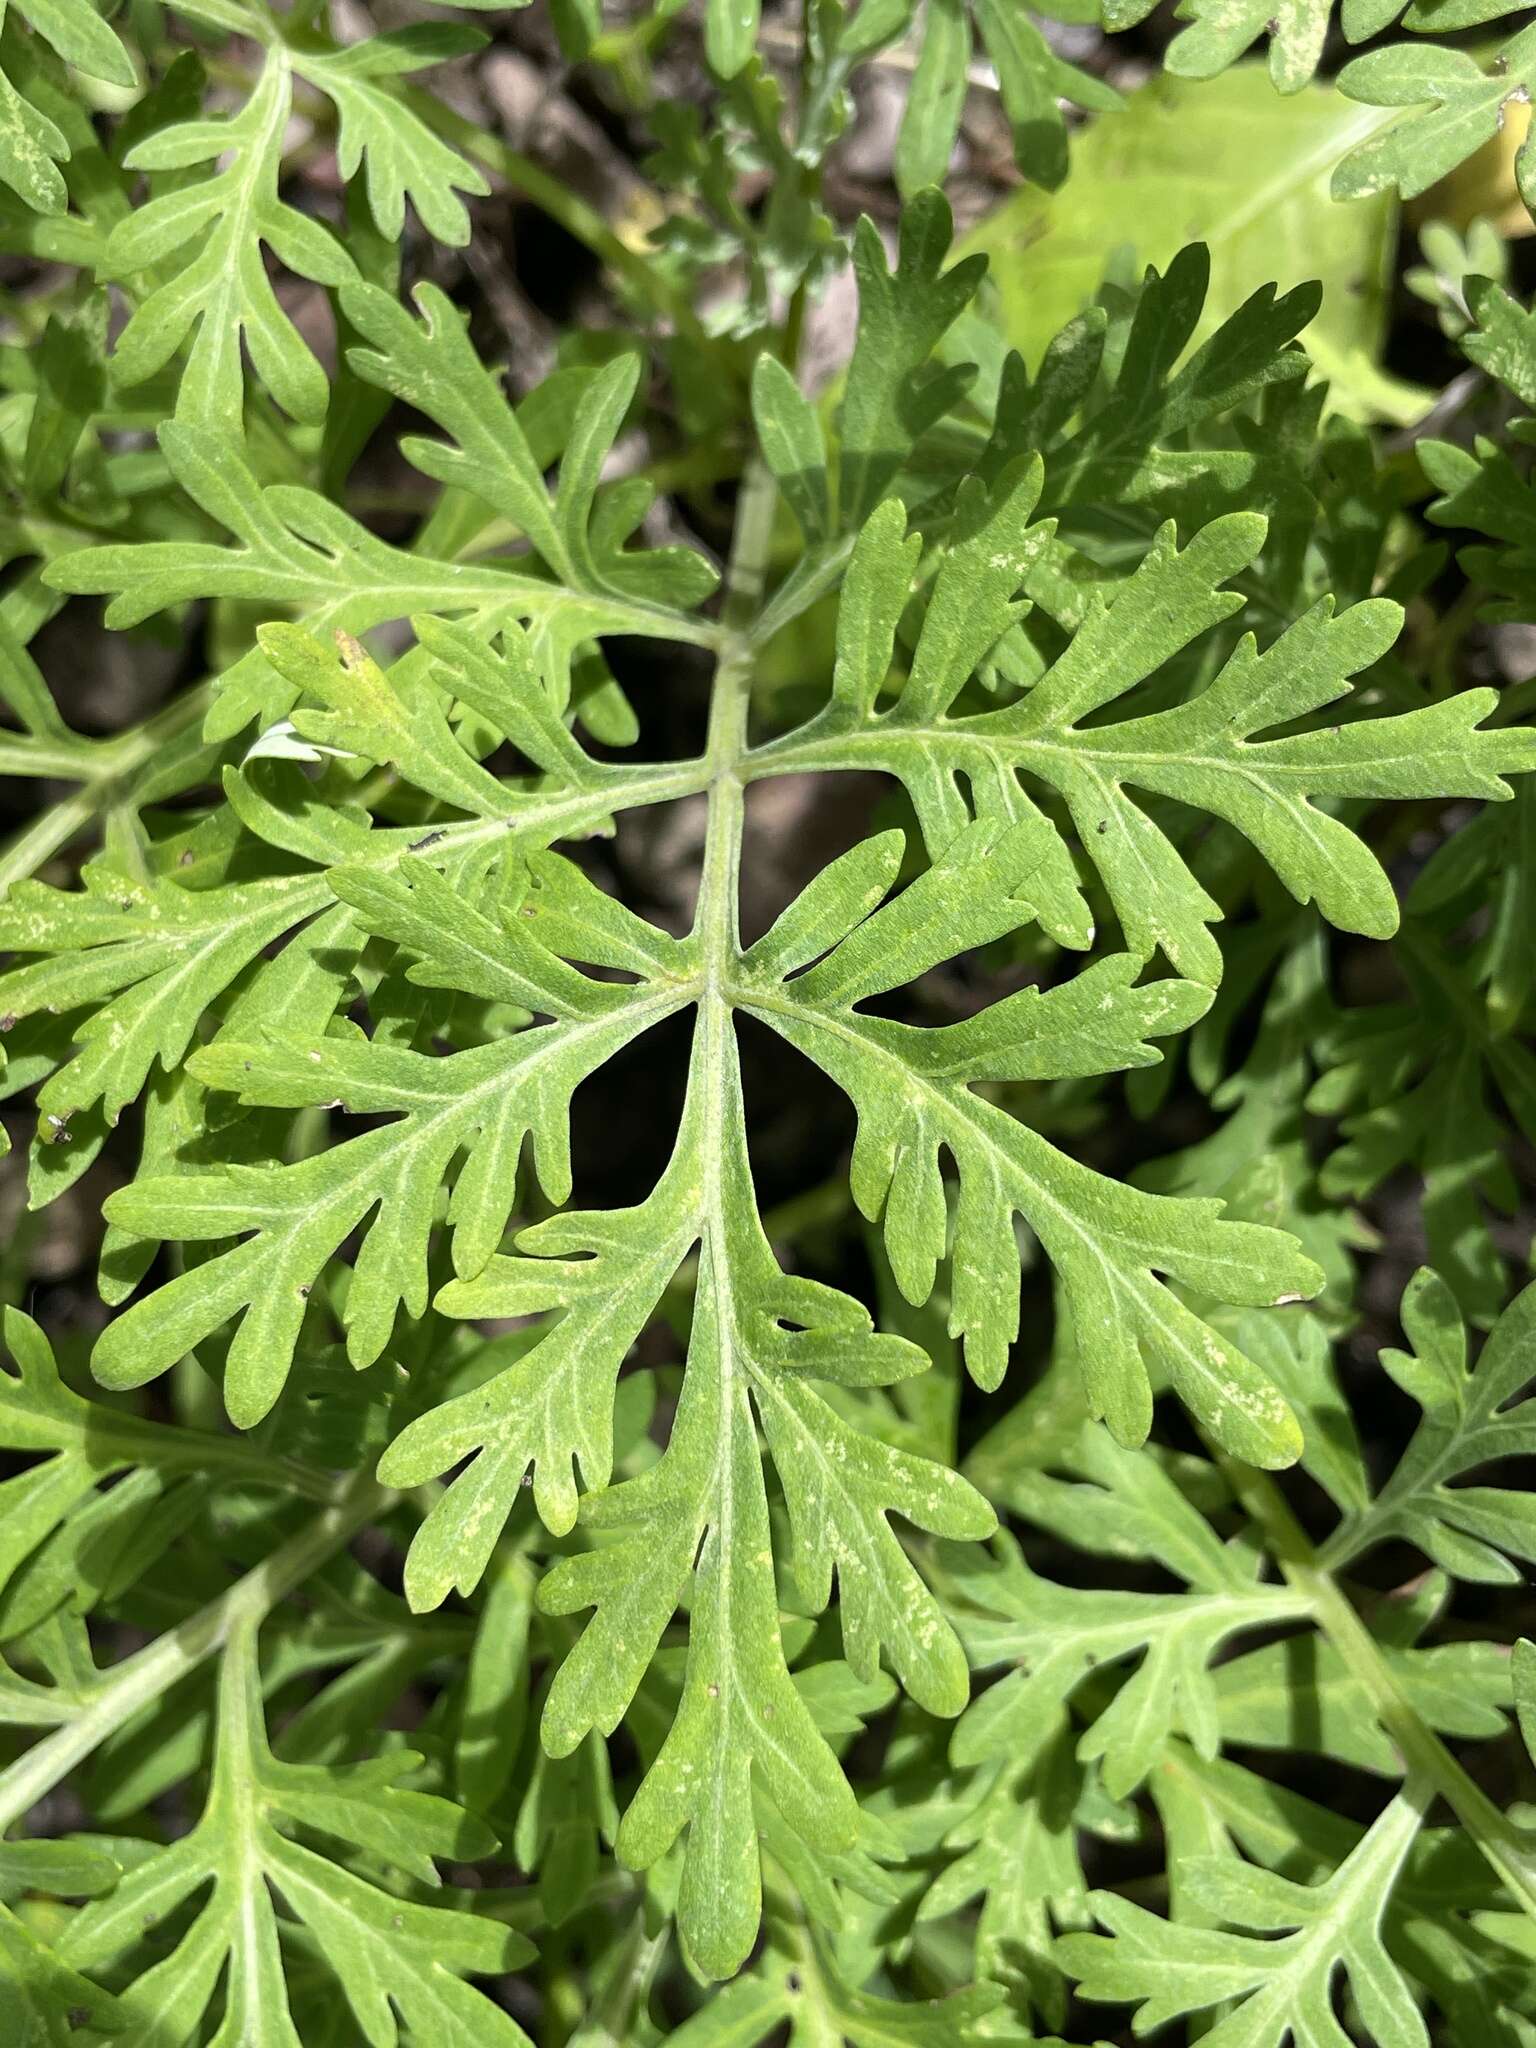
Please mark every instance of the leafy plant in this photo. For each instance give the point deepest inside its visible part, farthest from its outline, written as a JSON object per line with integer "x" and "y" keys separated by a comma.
{"x": 520, "y": 1534}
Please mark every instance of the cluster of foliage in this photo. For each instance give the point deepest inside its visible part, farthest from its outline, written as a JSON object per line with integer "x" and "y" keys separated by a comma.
{"x": 417, "y": 1608}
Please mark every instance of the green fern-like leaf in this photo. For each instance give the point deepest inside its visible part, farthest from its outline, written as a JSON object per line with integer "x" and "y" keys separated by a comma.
{"x": 1462, "y": 108}
{"x": 1472, "y": 1418}
{"x": 1284, "y": 1985}
{"x": 646, "y": 1486}
{"x": 1201, "y": 753}
{"x": 1484, "y": 487}
{"x": 390, "y": 1954}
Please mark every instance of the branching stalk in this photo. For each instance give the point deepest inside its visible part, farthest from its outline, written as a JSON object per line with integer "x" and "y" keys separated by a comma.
{"x": 1508, "y": 1849}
